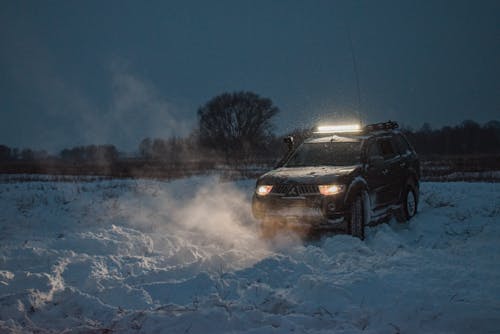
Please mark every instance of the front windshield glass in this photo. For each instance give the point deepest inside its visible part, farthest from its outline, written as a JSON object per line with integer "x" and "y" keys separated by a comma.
{"x": 326, "y": 154}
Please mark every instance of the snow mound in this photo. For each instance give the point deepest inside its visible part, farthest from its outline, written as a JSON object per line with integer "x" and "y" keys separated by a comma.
{"x": 185, "y": 256}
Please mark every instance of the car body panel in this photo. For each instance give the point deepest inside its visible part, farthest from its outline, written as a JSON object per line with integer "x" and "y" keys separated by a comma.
{"x": 308, "y": 175}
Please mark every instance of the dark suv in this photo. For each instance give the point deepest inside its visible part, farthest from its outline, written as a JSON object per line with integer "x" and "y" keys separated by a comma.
{"x": 343, "y": 176}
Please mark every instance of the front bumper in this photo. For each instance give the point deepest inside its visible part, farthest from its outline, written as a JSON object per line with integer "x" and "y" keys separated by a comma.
{"x": 315, "y": 211}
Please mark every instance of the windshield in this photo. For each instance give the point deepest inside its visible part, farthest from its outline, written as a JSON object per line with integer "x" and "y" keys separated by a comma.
{"x": 326, "y": 154}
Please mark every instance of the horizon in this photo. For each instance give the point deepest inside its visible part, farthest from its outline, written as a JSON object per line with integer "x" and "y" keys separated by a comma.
{"x": 135, "y": 151}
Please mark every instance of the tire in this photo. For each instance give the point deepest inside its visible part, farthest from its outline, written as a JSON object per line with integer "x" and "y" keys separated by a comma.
{"x": 409, "y": 204}
{"x": 358, "y": 216}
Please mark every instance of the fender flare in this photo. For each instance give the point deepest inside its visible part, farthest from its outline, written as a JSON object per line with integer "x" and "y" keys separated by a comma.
{"x": 412, "y": 180}
{"x": 357, "y": 185}
{"x": 413, "y": 176}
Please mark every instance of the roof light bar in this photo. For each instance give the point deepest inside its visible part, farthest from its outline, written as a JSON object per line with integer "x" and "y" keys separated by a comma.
{"x": 339, "y": 128}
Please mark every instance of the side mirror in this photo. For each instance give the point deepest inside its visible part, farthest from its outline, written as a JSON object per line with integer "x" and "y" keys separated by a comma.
{"x": 289, "y": 142}
{"x": 375, "y": 161}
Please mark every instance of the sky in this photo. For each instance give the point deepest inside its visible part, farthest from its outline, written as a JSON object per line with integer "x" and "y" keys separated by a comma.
{"x": 114, "y": 72}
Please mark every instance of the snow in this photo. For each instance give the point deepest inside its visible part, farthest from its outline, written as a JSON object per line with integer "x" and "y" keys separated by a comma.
{"x": 184, "y": 256}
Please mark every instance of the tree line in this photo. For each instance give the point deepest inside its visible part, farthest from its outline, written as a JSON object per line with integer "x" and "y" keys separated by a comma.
{"x": 93, "y": 153}
{"x": 231, "y": 127}
{"x": 89, "y": 153}
{"x": 25, "y": 154}
{"x": 467, "y": 138}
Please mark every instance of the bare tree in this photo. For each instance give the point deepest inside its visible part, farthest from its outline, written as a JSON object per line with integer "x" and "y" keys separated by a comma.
{"x": 237, "y": 124}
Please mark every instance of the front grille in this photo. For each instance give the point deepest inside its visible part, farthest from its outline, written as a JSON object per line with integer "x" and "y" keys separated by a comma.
{"x": 299, "y": 189}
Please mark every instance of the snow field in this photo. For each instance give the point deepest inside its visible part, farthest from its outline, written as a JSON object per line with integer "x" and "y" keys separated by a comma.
{"x": 185, "y": 256}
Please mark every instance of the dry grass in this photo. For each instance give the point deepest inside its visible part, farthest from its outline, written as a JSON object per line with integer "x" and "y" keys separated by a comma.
{"x": 434, "y": 168}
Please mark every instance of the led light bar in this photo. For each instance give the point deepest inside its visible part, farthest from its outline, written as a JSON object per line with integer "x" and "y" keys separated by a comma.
{"x": 339, "y": 128}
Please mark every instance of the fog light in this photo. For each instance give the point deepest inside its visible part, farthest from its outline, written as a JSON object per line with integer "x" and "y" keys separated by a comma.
{"x": 331, "y": 206}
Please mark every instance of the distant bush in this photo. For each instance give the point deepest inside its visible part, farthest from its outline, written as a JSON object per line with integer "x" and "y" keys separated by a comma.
{"x": 101, "y": 154}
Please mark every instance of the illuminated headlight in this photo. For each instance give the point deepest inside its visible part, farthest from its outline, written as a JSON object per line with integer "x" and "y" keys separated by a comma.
{"x": 263, "y": 190}
{"x": 331, "y": 189}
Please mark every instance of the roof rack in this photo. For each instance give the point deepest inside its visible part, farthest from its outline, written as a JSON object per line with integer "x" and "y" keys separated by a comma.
{"x": 389, "y": 125}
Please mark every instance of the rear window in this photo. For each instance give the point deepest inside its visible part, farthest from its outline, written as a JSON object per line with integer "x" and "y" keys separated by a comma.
{"x": 326, "y": 154}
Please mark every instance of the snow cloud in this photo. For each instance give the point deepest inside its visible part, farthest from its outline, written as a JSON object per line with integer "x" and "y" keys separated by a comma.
{"x": 206, "y": 220}
{"x": 135, "y": 110}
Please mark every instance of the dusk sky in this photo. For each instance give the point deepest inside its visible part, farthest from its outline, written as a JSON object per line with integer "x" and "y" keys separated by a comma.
{"x": 95, "y": 72}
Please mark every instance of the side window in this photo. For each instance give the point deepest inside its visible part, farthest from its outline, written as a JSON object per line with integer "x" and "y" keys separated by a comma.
{"x": 386, "y": 148}
{"x": 402, "y": 145}
{"x": 372, "y": 150}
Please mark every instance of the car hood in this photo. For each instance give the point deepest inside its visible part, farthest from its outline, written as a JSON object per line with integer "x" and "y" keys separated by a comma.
{"x": 308, "y": 175}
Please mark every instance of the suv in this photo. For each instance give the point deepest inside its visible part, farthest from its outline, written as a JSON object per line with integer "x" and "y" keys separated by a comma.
{"x": 343, "y": 176}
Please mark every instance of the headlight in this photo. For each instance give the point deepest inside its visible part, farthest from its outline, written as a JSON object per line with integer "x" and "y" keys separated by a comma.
{"x": 263, "y": 190}
{"x": 331, "y": 189}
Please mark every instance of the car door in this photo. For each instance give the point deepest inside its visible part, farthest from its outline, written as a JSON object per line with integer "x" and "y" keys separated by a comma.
{"x": 408, "y": 163}
{"x": 377, "y": 176}
{"x": 392, "y": 168}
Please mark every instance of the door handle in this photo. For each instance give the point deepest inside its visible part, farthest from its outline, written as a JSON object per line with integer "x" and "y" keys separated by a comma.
{"x": 385, "y": 171}
{"x": 403, "y": 164}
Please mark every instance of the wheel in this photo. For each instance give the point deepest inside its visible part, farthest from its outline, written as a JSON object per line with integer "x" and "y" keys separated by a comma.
{"x": 358, "y": 215}
{"x": 409, "y": 204}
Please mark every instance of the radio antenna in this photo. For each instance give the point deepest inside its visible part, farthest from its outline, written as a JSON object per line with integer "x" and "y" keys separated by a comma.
{"x": 355, "y": 68}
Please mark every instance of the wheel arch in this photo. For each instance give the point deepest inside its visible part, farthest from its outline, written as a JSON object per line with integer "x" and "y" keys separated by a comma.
{"x": 413, "y": 181}
{"x": 357, "y": 185}
{"x": 413, "y": 177}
